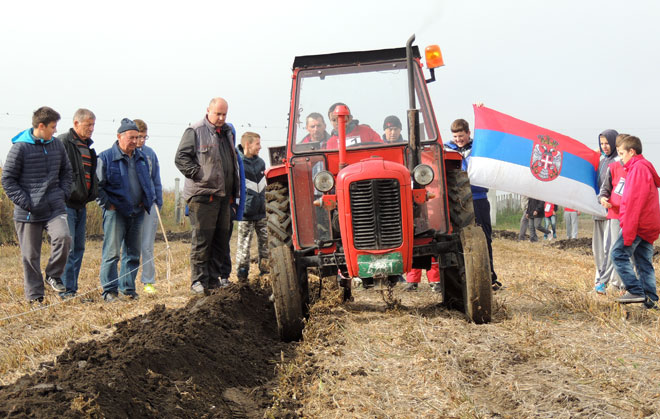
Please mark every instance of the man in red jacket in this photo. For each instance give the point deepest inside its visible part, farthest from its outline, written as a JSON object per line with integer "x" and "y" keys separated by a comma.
{"x": 356, "y": 133}
{"x": 639, "y": 217}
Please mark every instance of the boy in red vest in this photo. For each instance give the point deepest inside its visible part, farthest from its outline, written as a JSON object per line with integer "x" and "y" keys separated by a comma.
{"x": 639, "y": 217}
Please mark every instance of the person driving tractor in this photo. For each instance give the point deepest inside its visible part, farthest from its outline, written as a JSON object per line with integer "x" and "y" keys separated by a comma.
{"x": 355, "y": 133}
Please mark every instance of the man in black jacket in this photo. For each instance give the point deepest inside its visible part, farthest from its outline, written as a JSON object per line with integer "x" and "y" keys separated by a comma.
{"x": 535, "y": 215}
{"x": 77, "y": 142}
{"x": 37, "y": 179}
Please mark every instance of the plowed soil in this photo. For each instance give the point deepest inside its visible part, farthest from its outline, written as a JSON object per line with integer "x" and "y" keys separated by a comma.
{"x": 212, "y": 358}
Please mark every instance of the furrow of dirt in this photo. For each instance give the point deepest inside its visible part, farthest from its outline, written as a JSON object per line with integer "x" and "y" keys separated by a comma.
{"x": 215, "y": 357}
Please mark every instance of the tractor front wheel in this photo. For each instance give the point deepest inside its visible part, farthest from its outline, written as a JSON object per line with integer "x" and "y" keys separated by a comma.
{"x": 287, "y": 294}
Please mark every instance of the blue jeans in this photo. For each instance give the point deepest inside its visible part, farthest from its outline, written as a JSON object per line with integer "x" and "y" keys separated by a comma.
{"x": 119, "y": 230}
{"x": 550, "y": 221}
{"x": 644, "y": 282}
{"x": 77, "y": 219}
{"x": 149, "y": 227}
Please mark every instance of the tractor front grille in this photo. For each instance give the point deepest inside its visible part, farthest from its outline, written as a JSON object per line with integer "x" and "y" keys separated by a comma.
{"x": 376, "y": 211}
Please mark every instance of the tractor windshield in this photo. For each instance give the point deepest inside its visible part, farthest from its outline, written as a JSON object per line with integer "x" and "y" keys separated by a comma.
{"x": 377, "y": 97}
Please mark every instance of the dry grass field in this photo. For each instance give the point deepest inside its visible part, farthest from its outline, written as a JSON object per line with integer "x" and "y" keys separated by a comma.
{"x": 554, "y": 348}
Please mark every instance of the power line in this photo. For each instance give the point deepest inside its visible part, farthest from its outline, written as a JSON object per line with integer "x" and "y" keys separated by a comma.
{"x": 169, "y": 123}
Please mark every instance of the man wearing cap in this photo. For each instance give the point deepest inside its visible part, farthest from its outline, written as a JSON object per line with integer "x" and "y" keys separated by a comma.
{"x": 207, "y": 158}
{"x": 392, "y": 127}
{"x": 125, "y": 192}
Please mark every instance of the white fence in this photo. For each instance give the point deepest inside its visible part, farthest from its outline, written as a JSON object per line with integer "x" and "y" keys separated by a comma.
{"x": 508, "y": 202}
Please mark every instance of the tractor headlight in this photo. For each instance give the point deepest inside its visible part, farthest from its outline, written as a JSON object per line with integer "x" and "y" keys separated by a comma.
{"x": 324, "y": 181}
{"x": 423, "y": 174}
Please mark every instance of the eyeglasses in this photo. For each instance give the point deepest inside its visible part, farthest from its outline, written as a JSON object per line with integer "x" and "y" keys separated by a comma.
{"x": 143, "y": 137}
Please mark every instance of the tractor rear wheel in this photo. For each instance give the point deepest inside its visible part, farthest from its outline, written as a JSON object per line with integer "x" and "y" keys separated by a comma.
{"x": 459, "y": 195}
{"x": 467, "y": 287}
{"x": 278, "y": 215}
{"x": 287, "y": 294}
{"x": 478, "y": 289}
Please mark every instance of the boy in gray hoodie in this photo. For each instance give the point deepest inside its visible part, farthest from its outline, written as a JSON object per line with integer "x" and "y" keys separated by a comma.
{"x": 604, "y": 267}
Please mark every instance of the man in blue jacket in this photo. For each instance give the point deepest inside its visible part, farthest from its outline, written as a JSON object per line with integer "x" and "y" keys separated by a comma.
{"x": 125, "y": 192}
{"x": 37, "y": 178}
{"x": 462, "y": 143}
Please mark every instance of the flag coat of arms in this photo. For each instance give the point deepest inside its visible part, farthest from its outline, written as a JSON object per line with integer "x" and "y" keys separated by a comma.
{"x": 515, "y": 156}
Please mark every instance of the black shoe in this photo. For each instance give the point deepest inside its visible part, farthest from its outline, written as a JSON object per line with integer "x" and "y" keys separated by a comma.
{"x": 197, "y": 288}
{"x": 242, "y": 273}
{"x": 111, "y": 297}
{"x": 412, "y": 286}
{"x": 55, "y": 283}
{"x": 38, "y": 301}
{"x": 435, "y": 287}
{"x": 496, "y": 285}
{"x": 392, "y": 280}
{"x": 131, "y": 295}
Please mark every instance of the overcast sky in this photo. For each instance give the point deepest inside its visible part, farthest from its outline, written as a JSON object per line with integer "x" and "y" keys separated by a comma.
{"x": 576, "y": 67}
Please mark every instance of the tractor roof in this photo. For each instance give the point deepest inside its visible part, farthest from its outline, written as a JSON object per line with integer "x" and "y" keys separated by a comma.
{"x": 355, "y": 57}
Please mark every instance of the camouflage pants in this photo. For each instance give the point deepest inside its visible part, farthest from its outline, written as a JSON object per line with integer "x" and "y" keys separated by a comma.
{"x": 244, "y": 239}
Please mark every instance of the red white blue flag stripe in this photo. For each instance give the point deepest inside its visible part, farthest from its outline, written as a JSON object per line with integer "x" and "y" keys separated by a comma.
{"x": 515, "y": 156}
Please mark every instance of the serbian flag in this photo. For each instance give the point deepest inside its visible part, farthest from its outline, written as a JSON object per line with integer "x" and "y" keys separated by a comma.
{"x": 512, "y": 155}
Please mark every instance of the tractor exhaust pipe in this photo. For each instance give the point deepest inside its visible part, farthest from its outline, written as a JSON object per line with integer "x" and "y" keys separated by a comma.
{"x": 342, "y": 114}
{"x": 413, "y": 113}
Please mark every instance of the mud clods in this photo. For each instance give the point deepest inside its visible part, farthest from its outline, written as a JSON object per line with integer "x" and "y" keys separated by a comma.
{"x": 582, "y": 245}
{"x": 214, "y": 357}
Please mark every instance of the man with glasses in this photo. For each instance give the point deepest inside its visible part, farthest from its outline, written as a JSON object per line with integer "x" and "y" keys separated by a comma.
{"x": 150, "y": 222}
{"x": 125, "y": 192}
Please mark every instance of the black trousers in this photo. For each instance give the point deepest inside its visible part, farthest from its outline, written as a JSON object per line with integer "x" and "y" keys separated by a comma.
{"x": 210, "y": 218}
{"x": 482, "y": 215}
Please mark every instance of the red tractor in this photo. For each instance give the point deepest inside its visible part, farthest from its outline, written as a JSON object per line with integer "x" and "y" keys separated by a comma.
{"x": 353, "y": 203}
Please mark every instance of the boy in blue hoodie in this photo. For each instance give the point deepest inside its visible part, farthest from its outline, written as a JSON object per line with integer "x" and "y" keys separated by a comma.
{"x": 462, "y": 143}
{"x": 37, "y": 178}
